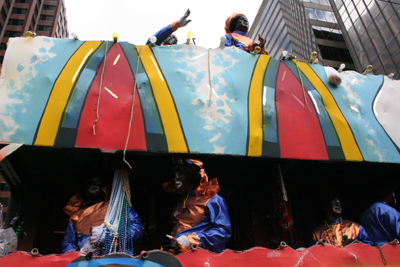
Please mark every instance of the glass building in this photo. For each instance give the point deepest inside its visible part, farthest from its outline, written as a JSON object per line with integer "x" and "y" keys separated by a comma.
{"x": 372, "y": 31}
{"x": 285, "y": 26}
{"x": 329, "y": 38}
{"x": 302, "y": 26}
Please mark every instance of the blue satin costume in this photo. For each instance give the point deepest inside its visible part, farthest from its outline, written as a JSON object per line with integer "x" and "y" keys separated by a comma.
{"x": 382, "y": 223}
{"x": 230, "y": 42}
{"x": 74, "y": 240}
{"x": 215, "y": 230}
{"x": 162, "y": 34}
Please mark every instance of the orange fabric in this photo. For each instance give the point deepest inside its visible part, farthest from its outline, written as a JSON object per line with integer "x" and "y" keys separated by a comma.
{"x": 175, "y": 25}
{"x": 351, "y": 229}
{"x": 88, "y": 217}
{"x": 228, "y": 22}
{"x": 73, "y": 205}
{"x": 249, "y": 43}
{"x": 194, "y": 213}
{"x": 84, "y": 218}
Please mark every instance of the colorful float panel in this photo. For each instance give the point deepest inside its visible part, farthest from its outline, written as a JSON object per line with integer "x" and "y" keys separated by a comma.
{"x": 188, "y": 99}
{"x": 318, "y": 255}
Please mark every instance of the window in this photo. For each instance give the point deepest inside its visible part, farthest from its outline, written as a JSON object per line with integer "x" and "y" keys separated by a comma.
{"x": 3, "y": 46}
{"x": 23, "y": 1}
{"x": 3, "y": 14}
{"x": 12, "y": 34}
{"x": 16, "y": 22}
{"x": 22, "y": 11}
{"x": 49, "y": 8}
{"x": 46, "y": 18}
{"x": 42, "y": 28}
{"x": 334, "y": 53}
{"x": 328, "y": 34}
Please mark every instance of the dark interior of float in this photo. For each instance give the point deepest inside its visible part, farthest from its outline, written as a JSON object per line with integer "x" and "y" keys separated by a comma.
{"x": 43, "y": 179}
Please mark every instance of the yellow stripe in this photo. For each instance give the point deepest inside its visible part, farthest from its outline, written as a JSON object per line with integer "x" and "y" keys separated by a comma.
{"x": 349, "y": 145}
{"x": 255, "y": 108}
{"x": 169, "y": 117}
{"x": 59, "y": 96}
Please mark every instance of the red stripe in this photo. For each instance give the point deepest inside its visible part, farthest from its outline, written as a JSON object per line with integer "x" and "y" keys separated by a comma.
{"x": 113, "y": 125}
{"x": 300, "y": 134}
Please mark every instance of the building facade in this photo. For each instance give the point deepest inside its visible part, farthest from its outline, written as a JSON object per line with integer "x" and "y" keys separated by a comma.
{"x": 304, "y": 26}
{"x": 285, "y": 26}
{"x": 45, "y": 17}
{"x": 372, "y": 31}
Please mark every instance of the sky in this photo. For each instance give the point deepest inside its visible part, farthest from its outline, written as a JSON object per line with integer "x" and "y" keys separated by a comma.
{"x": 135, "y": 21}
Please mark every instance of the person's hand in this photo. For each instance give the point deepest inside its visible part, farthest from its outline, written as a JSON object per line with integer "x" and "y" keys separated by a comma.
{"x": 183, "y": 21}
{"x": 98, "y": 235}
{"x": 261, "y": 41}
{"x": 88, "y": 247}
{"x": 346, "y": 242}
{"x": 183, "y": 241}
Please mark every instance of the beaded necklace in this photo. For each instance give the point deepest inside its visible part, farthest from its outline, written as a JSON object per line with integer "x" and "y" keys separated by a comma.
{"x": 184, "y": 204}
{"x": 327, "y": 227}
{"x": 118, "y": 237}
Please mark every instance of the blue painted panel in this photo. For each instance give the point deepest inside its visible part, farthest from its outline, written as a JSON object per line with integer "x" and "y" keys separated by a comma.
{"x": 31, "y": 91}
{"x": 221, "y": 127}
{"x": 354, "y": 97}
{"x": 147, "y": 101}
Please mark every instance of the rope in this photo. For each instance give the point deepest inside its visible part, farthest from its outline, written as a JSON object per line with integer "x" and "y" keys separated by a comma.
{"x": 132, "y": 108}
{"x": 383, "y": 256}
{"x": 302, "y": 86}
{"x": 209, "y": 76}
{"x": 101, "y": 84}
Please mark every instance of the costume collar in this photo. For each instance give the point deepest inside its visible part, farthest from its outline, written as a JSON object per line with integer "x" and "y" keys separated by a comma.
{"x": 333, "y": 222}
{"x": 77, "y": 202}
{"x": 240, "y": 32}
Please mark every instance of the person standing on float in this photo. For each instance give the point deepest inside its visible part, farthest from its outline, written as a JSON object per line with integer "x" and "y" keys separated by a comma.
{"x": 165, "y": 36}
{"x": 236, "y": 28}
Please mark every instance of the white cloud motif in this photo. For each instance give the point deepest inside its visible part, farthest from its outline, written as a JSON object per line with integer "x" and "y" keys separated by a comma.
{"x": 17, "y": 72}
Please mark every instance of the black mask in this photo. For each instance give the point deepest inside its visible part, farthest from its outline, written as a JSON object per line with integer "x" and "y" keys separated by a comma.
{"x": 242, "y": 24}
{"x": 171, "y": 40}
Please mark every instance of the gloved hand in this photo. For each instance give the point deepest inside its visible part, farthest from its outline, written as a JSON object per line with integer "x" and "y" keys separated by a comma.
{"x": 88, "y": 247}
{"x": 183, "y": 241}
{"x": 96, "y": 232}
{"x": 183, "y": 21}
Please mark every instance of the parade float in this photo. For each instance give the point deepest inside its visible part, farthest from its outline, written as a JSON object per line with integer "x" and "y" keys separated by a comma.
{"x": 69, "y": 108}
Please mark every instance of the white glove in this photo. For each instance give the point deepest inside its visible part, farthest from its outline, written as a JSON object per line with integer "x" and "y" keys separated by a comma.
{"x": 183, "y": 241}
{"x": 183, "y": 21}
{"x": 96, "y": 232}
{"x": 88, "y": 247}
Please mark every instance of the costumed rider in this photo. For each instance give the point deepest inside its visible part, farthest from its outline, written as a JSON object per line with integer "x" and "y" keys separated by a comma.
{"x": 381, "y": 219}
{"x": 201, "y": 217}
{"x": 165, "y": 36}
{"x": 335, "y": 230}
{"x": 236, "y": 28}
{"x": 88, "y": 210}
